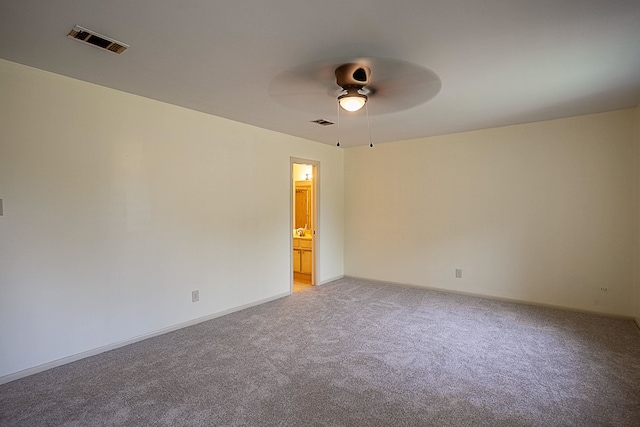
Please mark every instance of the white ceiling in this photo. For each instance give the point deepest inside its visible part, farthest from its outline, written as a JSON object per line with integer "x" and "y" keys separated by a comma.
{"x": 501, "y": 62}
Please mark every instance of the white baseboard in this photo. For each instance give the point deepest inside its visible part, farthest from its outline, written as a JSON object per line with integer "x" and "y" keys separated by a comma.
{"x": 333, "y": 279}
{"x": 497, "y": 298}
{"x": 59, "y": 362}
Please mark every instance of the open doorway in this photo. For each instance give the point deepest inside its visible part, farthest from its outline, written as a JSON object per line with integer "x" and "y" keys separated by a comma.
{"x": 304, "y": 223}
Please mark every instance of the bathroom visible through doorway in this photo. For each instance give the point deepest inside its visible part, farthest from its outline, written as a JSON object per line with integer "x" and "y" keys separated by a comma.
{"x": 304, "y": 223}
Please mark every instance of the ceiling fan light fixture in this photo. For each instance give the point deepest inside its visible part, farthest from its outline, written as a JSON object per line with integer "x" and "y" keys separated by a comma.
{"x": 352, "y": 100}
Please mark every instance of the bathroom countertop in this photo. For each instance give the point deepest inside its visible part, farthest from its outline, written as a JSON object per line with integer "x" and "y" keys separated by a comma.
{"x": 295, "y": 236}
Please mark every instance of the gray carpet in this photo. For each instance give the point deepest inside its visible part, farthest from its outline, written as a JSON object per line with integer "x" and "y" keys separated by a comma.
{"x": 354, "y": 353}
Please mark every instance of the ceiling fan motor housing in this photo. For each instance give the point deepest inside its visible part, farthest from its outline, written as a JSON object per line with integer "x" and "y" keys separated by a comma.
{"x": 352, "y": 75}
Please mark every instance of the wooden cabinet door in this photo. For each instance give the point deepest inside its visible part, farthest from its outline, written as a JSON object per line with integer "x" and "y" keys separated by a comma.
{"x": 296, "y": 260}
{"x": 305, "y": 261}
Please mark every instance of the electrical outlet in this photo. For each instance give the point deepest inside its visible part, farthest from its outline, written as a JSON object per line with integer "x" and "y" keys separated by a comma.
{"x": 603, "y": 289}
{"x": 458, "y": 273}
{"x": 195, "y": 296}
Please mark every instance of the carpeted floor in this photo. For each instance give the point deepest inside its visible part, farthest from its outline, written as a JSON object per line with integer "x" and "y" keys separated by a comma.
{"x": 354, "y": 353}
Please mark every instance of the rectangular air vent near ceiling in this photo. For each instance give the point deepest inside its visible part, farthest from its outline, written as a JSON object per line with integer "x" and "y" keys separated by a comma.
{"x": 87, "y": 36}
{"x": 323, "y": 122}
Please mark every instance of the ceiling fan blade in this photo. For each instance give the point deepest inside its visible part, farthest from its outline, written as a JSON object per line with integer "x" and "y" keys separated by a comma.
{"x": 401, "y": 93}
{"x": 309, "y": 87}
{"x": 395, "y": 85}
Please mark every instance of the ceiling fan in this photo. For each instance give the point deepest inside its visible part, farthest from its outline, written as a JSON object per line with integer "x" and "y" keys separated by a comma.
{"x": 352, "y": 78}
{"x": 393, "y": 84}
{"x": 384, "y": 85}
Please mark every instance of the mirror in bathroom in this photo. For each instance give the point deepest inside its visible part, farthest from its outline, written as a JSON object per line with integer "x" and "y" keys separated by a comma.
{"x": 303, "y": 205}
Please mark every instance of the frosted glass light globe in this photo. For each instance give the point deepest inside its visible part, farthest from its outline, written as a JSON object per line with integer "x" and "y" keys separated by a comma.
{"x": 352, "y": 103}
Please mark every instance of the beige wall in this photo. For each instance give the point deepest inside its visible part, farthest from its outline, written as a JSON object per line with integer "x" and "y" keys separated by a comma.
{"x": 542, "y": 212}
{"x": 116, "y": 207}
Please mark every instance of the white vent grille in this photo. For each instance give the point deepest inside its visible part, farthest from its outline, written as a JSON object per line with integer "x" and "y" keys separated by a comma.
{"x": 90, "y": 37}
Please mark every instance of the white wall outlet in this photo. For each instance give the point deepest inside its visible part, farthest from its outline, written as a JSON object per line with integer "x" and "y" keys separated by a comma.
{"x": 458, "y": 273}
{"x": 195, "y": 296}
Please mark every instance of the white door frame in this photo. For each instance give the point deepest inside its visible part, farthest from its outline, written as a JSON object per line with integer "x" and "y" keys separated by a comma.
{"x": 315, "y": 195}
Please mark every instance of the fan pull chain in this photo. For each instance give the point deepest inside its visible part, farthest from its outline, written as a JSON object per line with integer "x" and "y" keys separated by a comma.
{"x": 338, "y": 105}
{"x": 366, "y": 107}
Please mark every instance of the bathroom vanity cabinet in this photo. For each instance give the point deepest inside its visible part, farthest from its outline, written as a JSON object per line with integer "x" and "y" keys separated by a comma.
{"x": 302, "y": 254}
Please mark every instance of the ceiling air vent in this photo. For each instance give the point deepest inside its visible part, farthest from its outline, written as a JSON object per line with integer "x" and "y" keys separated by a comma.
{"x": 323, "y": 122}
{"x": 87, "y": 36}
